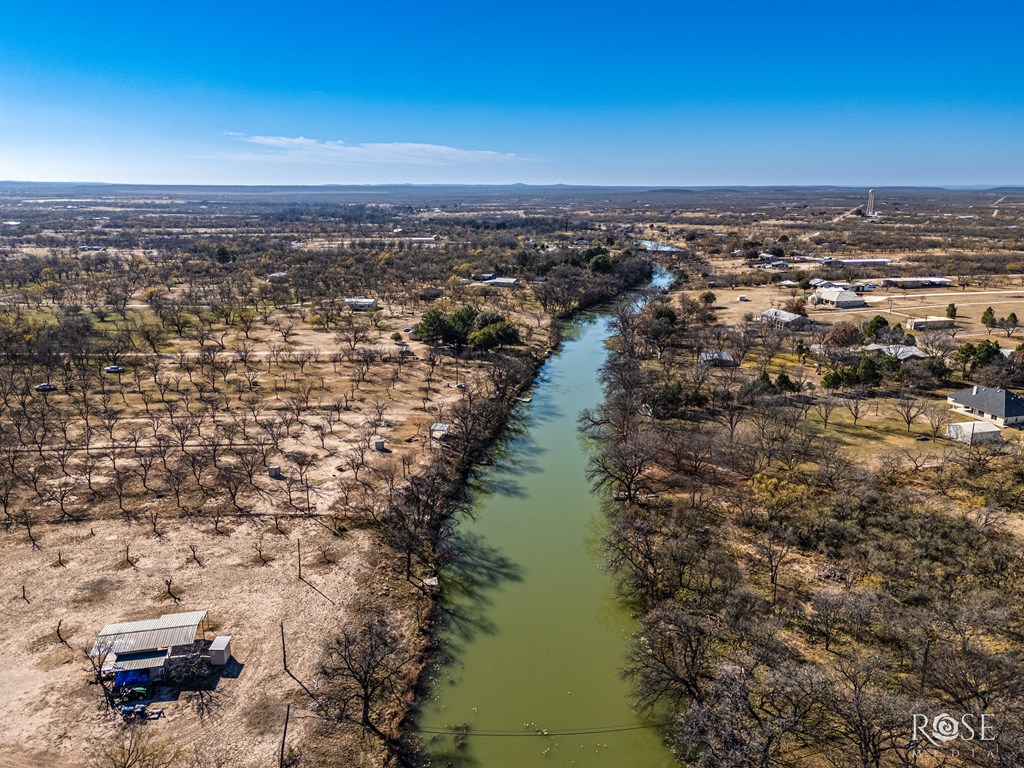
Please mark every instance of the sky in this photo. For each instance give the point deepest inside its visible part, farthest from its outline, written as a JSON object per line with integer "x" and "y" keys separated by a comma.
{"x": 649, "y": 94}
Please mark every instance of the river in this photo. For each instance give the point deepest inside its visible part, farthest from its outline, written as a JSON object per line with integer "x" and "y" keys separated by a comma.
{"x": 538, "y": 637}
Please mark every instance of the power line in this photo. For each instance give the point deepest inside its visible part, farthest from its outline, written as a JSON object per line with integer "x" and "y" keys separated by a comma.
{"x": 541, "y": 731}
{"x": 582, "y": 731}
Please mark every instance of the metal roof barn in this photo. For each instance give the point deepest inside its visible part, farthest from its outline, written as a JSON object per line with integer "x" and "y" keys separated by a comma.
{"x": 149, "y": 635}
{"x": 136, "y": 661}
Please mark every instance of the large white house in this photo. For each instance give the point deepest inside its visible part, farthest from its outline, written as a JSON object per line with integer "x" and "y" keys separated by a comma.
{"x": 838, "y": 298}
{"x": 780, "y": 318}
{"x": 1000, "y": 406}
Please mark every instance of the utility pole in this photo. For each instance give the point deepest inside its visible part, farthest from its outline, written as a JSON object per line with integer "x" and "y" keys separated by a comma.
{"x": 284, "y": 735}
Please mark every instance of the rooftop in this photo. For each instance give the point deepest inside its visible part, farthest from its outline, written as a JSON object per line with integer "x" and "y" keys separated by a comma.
{"x": 899, "y": 351}
{"x": 125, "y": 662}
{"x": 716, "y": 356}
{"x": 135, "y": 637}
{"x": 974, "y": 427}
{"x": 930, "y": 279}
{"x": 781, "y": 315}
{"x": 838, "y": 294}
{"x": 994, "y": 401}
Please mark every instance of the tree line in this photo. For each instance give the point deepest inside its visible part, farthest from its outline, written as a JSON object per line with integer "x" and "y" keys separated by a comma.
{"x": 800, "y": 602}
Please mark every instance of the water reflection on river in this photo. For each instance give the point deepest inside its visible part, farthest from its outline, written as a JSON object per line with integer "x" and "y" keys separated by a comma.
{"x": 537, "y": 637}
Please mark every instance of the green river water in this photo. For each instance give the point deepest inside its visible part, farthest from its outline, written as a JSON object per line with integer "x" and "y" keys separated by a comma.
{"x": 538, "y": 637}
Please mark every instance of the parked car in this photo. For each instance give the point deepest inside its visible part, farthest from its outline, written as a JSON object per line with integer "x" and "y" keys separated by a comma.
{"x": 114, "y": 369}
{"x": 46, "y": 387}
{"x": 742, "y": 297}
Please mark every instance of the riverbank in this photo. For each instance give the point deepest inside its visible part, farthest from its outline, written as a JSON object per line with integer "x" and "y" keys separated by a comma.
{"x": 531, "y": 579}
{"x": 419, "y": 524}
{"x": 421, "y": 521}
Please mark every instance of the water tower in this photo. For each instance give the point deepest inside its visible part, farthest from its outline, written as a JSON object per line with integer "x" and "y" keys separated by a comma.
{"x": 871, "y": 203}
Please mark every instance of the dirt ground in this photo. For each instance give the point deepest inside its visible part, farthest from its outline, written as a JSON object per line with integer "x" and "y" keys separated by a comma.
{"x": 53, "y": 715}
{"x": 78, "y": 575}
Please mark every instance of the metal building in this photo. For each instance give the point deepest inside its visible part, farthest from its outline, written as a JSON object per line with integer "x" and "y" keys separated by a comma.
{"x": 145, "y": 645}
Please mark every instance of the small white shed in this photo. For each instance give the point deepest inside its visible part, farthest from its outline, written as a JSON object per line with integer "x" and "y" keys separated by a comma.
{"x": 974, "y": 432}
{"x": 220, "y": 651}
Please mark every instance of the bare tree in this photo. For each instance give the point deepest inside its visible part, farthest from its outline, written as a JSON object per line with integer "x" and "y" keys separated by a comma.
{"x": 672, "y": 661}
{"x": 937, "y": 418}
{"x": 824, "y": 406}
{"x": 135, "y": 747}
{"x": 908, "y": 409}
{"x": 366, "y": 666}
{"x": 623, "y": 465}
{"x": 776, "y": 551}
{"x": 856, "y": 404}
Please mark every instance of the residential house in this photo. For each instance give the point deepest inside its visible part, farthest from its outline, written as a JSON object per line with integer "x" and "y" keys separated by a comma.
{"x": 779, "y": 318}
{"x": 717, "y": 358}
{"x": 1000, "y": 406}
{"x": 837, "y": 298}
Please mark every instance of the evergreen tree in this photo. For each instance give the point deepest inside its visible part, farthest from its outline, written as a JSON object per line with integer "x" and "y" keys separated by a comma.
{"x": 988, "y": 319}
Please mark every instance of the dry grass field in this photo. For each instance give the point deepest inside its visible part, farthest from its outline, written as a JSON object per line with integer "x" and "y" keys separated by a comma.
{"x": 330, "y": 409}
{"x": 895, "y": 305}
{"x": 53, "y": 716}
{"x": 115, "y": 484}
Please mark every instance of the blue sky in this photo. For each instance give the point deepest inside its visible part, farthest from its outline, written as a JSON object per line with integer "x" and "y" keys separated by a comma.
{"x": 683, "y": 93}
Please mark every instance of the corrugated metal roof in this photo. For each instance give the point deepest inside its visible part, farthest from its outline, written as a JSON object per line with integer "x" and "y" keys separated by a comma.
{"x": 167, "y": 621}
{"x": 136, "y": 642}
{"x": 130, "y": 661}
{"x": 150, "y": 634}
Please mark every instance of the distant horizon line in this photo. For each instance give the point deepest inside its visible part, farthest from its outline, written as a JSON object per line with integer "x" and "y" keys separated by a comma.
{"x": 554, "y": 185}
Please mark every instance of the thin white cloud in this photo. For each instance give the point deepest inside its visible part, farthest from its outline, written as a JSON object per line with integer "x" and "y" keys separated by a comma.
{"x": 396, "y": 153}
